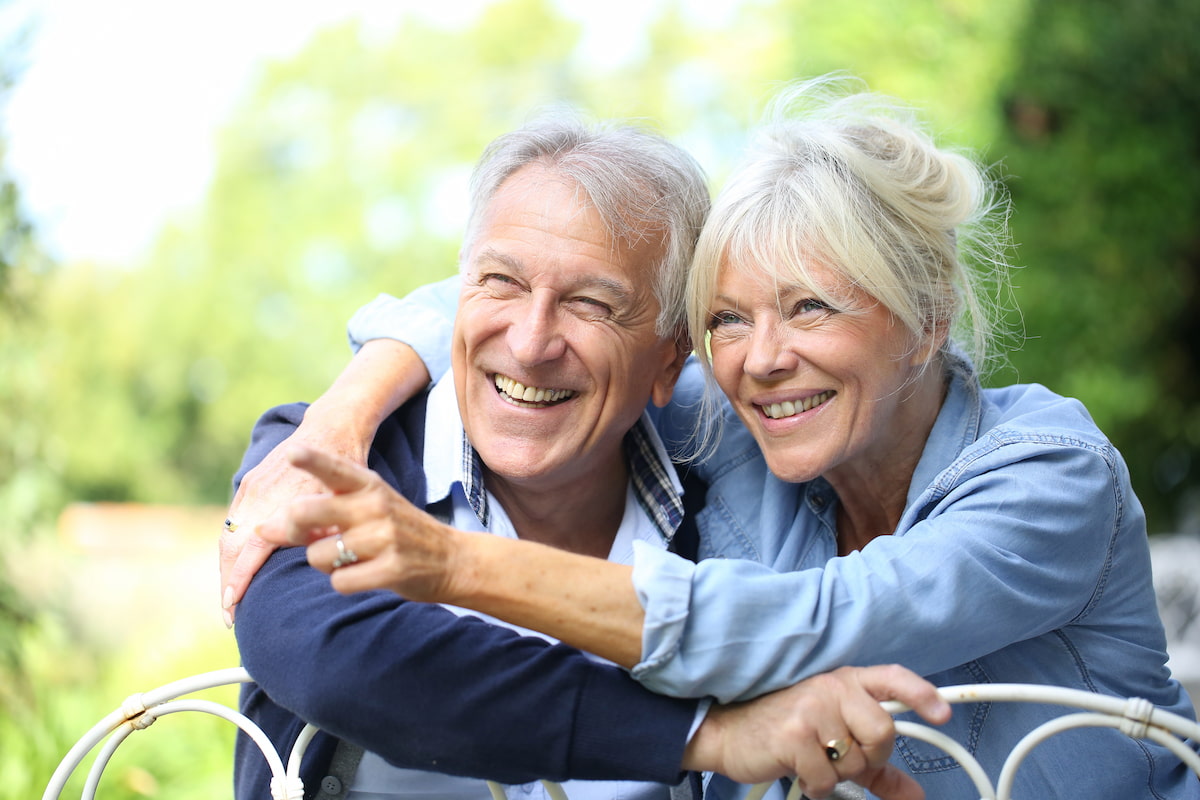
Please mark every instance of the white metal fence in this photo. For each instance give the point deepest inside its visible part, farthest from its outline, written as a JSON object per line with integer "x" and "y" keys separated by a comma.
{"x": 1134, "y": 717}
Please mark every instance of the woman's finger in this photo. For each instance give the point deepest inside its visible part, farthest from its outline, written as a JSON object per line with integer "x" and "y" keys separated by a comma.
{"x": 338, "y": 474}
{"x": 339, "y": 551}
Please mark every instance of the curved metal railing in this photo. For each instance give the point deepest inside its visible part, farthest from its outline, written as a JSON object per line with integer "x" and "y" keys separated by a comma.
{"x": 1134, "y": 717}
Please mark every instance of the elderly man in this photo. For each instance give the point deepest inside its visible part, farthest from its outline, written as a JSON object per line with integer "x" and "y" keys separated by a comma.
{"x": 568, "y": 324}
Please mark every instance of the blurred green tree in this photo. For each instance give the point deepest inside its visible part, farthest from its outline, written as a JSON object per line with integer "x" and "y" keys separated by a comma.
{"x": 343, "y": 174}
{"x": 1102, "y": 111}
{"x": 29, "y": 482}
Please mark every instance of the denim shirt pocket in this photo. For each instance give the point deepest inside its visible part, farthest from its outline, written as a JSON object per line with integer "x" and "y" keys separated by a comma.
{"x": 721, "y": 535}
{"x": 965, "y": 726}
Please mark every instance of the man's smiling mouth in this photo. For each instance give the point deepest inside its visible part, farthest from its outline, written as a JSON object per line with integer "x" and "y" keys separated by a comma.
{"x": 789, "y": 408}
{"x": 529, "y": 396}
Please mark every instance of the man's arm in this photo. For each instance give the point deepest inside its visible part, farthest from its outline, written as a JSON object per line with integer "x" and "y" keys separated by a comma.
{"x": 428, "y": 689}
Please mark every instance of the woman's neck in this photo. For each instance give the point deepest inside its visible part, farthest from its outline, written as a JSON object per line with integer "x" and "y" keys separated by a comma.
{"x": 873, "y": 490}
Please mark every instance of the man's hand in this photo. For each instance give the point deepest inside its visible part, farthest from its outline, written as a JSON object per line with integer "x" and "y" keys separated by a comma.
{"x": 786, "y": 733}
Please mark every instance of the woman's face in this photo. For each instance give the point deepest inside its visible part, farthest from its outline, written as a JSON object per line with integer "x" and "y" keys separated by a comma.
{"x": 820, "y": 386}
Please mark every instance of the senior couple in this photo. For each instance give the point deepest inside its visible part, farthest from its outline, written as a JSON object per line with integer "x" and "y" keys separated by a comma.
{"x": 868, "y": 501}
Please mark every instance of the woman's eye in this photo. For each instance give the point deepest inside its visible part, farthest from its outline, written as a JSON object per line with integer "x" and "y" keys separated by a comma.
{"x": 810, "y": 305}
{"x": 723, "y": 318}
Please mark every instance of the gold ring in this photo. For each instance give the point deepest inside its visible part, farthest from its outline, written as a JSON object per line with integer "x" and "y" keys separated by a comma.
{"x": 836, "y": 749}
{"x": 230, "y": 525}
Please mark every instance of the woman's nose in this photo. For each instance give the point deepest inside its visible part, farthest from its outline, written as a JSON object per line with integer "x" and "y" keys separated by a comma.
{"x": 770, "y": 352}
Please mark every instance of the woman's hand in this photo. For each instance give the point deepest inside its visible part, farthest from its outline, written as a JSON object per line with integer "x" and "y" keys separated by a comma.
{"x": 343, "y": 421}
{"x": 264, "y": 494}
{"x": 363, "y": 533}
{"x": 788, "y": 733}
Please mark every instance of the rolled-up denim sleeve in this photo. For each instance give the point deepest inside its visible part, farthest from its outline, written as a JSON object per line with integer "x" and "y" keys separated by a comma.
{"x": 735, "y": 629}
{"x": 423, "y": 320}
{"x": 663, "y": 582}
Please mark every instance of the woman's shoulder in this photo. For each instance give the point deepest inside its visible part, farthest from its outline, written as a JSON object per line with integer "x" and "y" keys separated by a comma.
{"x": 1032, "y": 412}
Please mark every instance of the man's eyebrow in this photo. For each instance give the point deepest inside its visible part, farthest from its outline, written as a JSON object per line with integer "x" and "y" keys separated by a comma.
{"x": 491, "y": 255}
{"x": 620, "y": 291}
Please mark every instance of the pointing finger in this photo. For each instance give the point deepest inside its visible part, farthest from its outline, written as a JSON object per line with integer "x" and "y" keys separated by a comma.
{"x": 339, "y": 475}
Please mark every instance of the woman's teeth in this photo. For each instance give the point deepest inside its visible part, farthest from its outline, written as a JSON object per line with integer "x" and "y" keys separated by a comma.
{"x": 516, "y": 392}
{"x": 790, "y": 409}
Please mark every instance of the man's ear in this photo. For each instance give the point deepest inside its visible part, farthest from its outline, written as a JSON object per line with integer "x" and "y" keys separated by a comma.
{"x": 675, "y": 353}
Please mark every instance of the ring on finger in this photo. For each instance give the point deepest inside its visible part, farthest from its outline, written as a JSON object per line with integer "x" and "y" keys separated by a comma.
{"x": 230, "y": 525}
{"x": 836, "y": 749}
{"x": 344, "y": 554}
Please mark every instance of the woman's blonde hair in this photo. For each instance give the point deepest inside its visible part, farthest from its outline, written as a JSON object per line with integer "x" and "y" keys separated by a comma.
{"x": 842, "y": 177}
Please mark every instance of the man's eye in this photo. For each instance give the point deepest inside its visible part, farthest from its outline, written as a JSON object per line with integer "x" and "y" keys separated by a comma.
{"x": 593, "y": 306}
{"x": 499, "y": 283}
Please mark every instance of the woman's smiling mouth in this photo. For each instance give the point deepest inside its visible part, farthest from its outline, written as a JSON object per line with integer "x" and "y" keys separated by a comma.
{"x": 524, "y": 396}
{"x": 789, "y": 408}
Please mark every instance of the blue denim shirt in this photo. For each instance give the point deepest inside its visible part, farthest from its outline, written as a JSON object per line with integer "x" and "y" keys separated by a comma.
{"x": 1021, "y": 557}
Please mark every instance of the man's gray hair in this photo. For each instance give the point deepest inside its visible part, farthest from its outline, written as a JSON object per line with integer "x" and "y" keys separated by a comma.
{"x": 643, "y": 186}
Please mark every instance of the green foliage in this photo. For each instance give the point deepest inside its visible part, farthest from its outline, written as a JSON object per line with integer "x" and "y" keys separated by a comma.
{"x": 184, "y": 755}
{"x": 1102, "y": 111}
{"x": 342, "y": 174}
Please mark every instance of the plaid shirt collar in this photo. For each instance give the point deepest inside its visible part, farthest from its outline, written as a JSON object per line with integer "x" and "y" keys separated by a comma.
{"x": 655, "y": 483}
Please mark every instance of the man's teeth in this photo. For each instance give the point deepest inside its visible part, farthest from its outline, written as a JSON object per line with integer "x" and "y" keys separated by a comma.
{"x": 789, "y": 409}
{"x": 515, "y": 391}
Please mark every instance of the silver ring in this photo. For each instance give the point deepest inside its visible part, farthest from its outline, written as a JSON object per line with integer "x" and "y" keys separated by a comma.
{"x": 836, "y": 749}
{"x": 230, "y": 525}
{"x": 345, "y": 554}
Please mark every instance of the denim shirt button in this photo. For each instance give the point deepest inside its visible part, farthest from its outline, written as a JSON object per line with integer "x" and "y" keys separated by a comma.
{"x": 818, "y": 502}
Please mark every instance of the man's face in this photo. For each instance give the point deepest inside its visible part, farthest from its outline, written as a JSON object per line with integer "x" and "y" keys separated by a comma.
{"x": 555, "y": 353}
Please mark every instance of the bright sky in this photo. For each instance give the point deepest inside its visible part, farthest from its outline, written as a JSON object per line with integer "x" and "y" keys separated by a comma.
{"x": 110, "y": 128}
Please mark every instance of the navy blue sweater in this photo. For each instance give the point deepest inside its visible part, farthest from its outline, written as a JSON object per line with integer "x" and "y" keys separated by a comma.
{"x": 421, "y": 686}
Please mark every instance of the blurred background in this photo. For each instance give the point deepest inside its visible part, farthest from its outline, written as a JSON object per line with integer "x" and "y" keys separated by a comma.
{"x": 195, "y": 197}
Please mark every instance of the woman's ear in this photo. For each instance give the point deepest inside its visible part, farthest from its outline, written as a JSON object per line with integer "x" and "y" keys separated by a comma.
{"x": 936, "y": 334}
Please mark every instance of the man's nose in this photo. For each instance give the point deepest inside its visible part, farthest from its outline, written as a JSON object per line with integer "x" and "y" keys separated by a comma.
{"x": 771, "y": 353}
{"x": 535, "y": 334}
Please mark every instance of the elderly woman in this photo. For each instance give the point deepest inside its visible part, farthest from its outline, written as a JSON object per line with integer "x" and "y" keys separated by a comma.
{"x": 868, "y": 501}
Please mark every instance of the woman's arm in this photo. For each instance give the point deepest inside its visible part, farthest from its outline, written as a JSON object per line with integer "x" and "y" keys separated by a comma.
{"x": 973, "y": 578}
{"x": 400, "y": 547}
{"x": 398, "y": 345}
{"x": 380, "y": 377}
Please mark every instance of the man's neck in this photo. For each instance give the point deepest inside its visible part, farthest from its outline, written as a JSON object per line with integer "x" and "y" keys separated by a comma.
{"x": 581, "y": 515}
